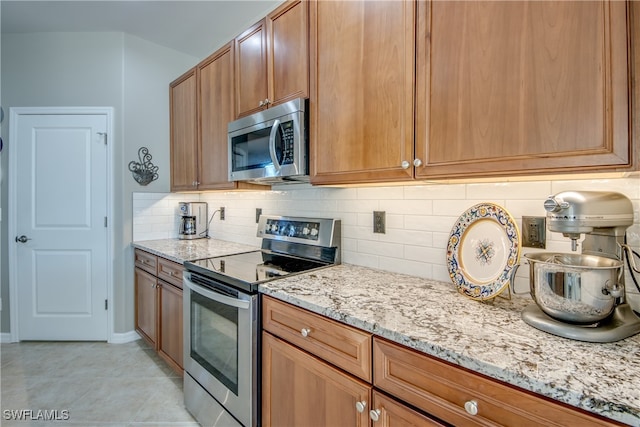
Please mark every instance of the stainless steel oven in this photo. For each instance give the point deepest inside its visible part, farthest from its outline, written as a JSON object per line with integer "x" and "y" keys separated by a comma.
{"x": 222, "y": 315}
{"x": 221, "y": 339}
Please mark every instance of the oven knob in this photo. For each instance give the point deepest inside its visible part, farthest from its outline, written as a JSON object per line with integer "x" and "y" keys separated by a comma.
{"x": 305, "y": 231}
{"x": 314, "y": 232}
{"x": 305, "y": 332}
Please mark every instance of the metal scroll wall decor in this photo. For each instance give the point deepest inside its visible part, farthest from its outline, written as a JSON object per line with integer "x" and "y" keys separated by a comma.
{"x": 143, "y": 171}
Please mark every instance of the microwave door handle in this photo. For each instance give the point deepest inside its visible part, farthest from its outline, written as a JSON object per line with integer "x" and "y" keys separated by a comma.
{"x": 272, "y": 144}
{"x": 242, "y": 304}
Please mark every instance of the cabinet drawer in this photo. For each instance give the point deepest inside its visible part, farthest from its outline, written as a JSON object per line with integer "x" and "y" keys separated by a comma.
{"x": 170, "y": 271}
{"x": 146, "y": 261}
{"x": 345, "y": 347}
{"x": 443, "y": 390}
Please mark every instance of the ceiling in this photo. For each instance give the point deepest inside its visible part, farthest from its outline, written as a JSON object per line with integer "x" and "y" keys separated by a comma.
{"x": 196, "y": 28}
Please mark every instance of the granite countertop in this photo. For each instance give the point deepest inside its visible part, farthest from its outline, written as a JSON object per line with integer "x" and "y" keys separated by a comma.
{"x": 430, "y": 316}
{"x": 486, "y": 337}
{"x": 188, "y": 250}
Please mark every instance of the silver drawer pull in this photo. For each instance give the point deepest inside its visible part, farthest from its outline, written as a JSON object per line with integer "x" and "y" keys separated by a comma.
{"x": 361, "y": 406}
{"x": 305, "y": 332}
{"x": 374, "y": 414}
{"x": 471, "y": 407}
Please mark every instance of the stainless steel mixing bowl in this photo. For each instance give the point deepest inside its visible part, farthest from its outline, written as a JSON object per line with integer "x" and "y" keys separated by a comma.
{"x": 575, "y": 288}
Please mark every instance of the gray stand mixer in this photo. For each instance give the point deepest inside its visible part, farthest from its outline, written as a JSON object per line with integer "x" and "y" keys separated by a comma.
{"x": 582, "y": 296}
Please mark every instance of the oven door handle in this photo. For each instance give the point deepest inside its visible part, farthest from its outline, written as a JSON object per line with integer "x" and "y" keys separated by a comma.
{"x": 223, "y": 299}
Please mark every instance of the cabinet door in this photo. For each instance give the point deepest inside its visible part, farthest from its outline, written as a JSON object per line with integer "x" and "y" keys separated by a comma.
{"x": 362, "y": 90}
{"x": 391, "y": 413}
{"x": 301, "y": 390}
{"x": 217, "y": 108}
{"x": 184, "y": 132}
{"x": 146, "y": 305}
{"x": 288, "y": 52}
{"x": 170, "y": 315}
{"x": 251, "y": 70}
{"x": 521, "y": 87}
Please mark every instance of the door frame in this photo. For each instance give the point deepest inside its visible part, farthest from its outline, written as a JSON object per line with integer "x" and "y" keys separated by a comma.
{"x": 15, "y": 113}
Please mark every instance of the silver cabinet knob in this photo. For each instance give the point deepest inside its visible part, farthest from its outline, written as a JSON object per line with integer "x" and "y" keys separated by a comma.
{"x": 417, "y": 162}
{"x": 374, "y": 414}
{"x": 22, "y": 239}
{"x": 267, "y": 102}
{"x": 471, "y": 407}
{"x": 305, "y": 332}
{"x": 261, "y": 103}
{"x": 361, "y": 406}
{"x": 405, "y": 164}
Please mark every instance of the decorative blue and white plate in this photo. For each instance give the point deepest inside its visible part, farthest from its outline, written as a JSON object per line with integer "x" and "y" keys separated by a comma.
{"x": 484, "y": 248}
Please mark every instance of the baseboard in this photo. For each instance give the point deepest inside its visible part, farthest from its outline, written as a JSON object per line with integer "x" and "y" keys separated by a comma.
{"x": 125, "y": 337}
{"x": 5, "y": 337}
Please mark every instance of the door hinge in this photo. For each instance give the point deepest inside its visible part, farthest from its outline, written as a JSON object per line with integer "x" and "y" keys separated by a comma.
{"x": 106, "y": 304}
{"x": 104, "y": 136}
{"x": 105, "y": 221}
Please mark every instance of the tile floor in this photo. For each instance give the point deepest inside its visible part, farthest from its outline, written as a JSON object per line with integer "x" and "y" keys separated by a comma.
{"x": 97, "y": 384}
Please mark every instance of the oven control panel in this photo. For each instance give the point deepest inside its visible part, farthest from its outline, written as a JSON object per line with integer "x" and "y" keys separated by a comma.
{"x": 301, "y": 229}
{"x": 310, "y": 231}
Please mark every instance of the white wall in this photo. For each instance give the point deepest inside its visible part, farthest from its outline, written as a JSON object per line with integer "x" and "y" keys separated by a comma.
{"x": 96, "y": 69}
{"x": 419, "y": 218}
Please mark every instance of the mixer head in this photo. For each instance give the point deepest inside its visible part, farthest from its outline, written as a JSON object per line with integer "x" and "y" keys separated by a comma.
{"x": 573, "y": 213}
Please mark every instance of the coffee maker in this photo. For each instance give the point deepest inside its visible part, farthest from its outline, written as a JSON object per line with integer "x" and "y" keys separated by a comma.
{"x": 193, "y": 220}
{"x": 582, "y": 296}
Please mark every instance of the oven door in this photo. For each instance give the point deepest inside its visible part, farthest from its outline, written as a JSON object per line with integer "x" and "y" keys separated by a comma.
{"x": 220, "y": 351}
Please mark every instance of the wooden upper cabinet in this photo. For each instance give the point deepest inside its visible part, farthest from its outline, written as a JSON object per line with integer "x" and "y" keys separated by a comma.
{"x": 288, "y": 52}
{"x": 272, "y": 59}
{"x": 251, "y": 70}
{"x": 184, "y": 132}
{"x": 362, "y": 90}
{"x": 507, "y": 87}
{"x": 216, "y": 106}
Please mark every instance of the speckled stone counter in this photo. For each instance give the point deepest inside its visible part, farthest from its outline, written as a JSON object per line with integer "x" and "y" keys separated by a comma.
{"x": 489, "y": 338}
{"x": 188, "y": 250}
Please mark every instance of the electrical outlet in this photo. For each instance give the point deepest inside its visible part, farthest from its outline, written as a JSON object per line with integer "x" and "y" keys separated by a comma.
{"x": 258, "y": 213}
{"x": 379, "y": 222}
{"x": 534, "y": 232}
{"x": 221, "y": 213}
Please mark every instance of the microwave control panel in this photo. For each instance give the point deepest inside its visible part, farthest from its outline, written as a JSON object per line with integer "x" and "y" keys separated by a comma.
{"x": 287, "y": 143}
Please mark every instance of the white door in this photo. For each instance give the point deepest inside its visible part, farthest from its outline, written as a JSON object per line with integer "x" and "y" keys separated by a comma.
{"x": 60, "y": 223}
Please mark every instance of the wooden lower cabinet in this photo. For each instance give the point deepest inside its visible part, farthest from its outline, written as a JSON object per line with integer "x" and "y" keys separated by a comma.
{"x": 461, "y": 397}
{"x": 388, "y": 412}
{"x": 158, "y": 306}
{"x": 146, "y": 306}
{"x": 301, "y": 390}
{"x": 170, "y": 338}
{"x": 306, "y": 382}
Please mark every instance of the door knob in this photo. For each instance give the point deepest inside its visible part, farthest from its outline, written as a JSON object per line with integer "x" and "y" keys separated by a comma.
{"x": 22, "y": 239}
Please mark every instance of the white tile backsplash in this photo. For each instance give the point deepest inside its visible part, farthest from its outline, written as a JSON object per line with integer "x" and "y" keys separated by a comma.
{"x": 419, "y": 217}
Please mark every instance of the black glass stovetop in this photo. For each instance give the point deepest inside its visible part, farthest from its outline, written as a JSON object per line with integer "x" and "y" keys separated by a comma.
{"x": 247, "y": 270}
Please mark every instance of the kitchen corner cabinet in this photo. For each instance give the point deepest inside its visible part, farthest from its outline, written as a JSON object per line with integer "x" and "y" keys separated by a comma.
{"x": 272, "y": 59}
{"x": 316, "y": 371}
{"x": 522, "y": 87}
{"x": 362, "y": 91}
{"x": 158, "y": 305}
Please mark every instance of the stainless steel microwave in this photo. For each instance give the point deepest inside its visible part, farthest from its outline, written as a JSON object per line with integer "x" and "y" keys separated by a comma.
{"x": 270, "y": 146}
